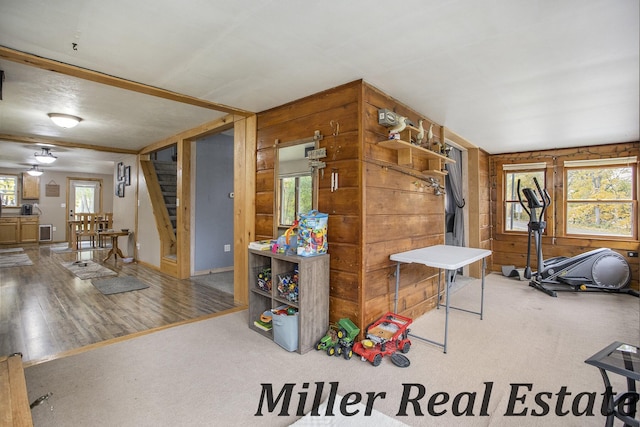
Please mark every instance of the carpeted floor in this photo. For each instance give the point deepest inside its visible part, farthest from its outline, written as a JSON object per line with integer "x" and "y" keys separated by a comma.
{"x": 87, "y": 269}
{"x": 219, "y": 372}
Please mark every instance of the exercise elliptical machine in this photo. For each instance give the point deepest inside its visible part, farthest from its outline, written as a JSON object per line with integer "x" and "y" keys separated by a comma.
{"x": 597, "y": 270}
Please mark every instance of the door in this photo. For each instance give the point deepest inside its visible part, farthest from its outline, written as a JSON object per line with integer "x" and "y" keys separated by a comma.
{"x": 84, "y": 195}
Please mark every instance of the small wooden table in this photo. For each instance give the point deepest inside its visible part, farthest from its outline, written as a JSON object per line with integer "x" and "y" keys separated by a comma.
{"x": 115, "y": 250}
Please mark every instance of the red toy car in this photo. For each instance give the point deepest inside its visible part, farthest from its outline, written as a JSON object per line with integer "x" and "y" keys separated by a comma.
{"x": 384, "y": 337}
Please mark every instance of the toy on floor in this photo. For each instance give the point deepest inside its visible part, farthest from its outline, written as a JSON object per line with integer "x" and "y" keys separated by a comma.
{"x": 385, "y": 337}
{"x": 339, "y": 339}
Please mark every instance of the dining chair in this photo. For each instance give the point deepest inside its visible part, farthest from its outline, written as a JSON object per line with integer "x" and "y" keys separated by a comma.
{"x": 104, "y": 223}
{"x": 86, "y": 228}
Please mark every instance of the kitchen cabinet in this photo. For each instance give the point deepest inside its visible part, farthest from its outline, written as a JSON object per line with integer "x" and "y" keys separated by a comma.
{"x": 19, "y": 229}
{"x": 9, "y": 230}
{"x": 30, "y": 187}
{"x": 29, "y": 229}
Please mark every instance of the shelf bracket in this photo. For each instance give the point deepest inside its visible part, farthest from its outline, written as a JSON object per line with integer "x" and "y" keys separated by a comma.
{"x": 405, "y": 157}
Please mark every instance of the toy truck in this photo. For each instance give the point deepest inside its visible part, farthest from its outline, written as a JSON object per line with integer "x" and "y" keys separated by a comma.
{"x": 384, "y": 337}
{"x": 339, "y": 339}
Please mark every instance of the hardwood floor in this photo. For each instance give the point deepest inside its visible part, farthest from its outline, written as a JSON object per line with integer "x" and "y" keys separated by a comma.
{"x": 45, "y": 310}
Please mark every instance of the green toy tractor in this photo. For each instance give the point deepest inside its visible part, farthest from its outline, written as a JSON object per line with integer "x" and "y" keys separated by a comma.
{"x": 339, "y": 339}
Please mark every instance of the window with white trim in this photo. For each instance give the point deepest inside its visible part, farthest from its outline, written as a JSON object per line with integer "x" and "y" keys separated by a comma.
{"x": 9, "y": 190}
{"x": 296, "y": 196}
{"x": 600, "y": 197}
{"x": 86, "y": 196}
{"x": 515, "y": 218}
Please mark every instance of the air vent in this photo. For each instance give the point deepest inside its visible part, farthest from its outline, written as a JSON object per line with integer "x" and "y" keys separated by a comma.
{"x": 46, "y": 233}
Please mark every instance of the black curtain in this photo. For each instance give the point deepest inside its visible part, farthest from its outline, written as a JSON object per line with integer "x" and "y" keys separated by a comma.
{"x": 455, "y": 201}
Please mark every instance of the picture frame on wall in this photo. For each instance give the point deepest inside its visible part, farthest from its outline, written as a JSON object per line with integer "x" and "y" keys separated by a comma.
{"x": 127, "y": 175}
{"x": 120, "y": 171}
{"x": 120, "y": 189}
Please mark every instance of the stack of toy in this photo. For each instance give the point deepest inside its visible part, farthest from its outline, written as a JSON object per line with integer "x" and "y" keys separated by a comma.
{"x": 312, "y": 233}
{"x": 263, "y": 277}
{"x": 288, "y": 285}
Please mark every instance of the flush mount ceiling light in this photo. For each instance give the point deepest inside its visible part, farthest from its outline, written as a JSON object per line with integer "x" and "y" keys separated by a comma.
{"x": 45, "y": 156}
{"x": 34, "y": 171}
{"x": 64, "y": 120}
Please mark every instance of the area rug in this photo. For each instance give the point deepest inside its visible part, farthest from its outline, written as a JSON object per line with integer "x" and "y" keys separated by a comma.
{"x": 14, "y": 260}
{"x": 3, "y": 251}
{"x": 120, "y": 284}
{"x": 84, "y": 246}
{"x": 62, "y": 247}
{"x": 88, "y": 269}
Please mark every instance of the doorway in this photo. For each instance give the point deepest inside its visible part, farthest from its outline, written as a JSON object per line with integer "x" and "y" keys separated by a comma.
{"x": 213, "y": 216}
{"x": 84, "y": 195}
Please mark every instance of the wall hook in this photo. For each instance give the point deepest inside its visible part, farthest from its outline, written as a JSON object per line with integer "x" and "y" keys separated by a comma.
{"x": 336, "y": 130}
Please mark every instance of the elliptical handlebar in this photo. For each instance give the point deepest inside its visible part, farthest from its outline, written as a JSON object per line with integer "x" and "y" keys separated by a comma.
{"x": 521, "y": 202}
{"x": 546, "y": 199}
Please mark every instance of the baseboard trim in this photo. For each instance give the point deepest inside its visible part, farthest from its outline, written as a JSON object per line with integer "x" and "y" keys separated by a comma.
{"x": 130, "y": 336}
{"x": 212, "y": 270}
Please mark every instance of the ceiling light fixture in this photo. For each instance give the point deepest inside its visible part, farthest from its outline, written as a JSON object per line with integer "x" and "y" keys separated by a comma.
{"x": 45, "y": 156}
{"x": 64, "y": 120}
{"x": 34, "y": 171}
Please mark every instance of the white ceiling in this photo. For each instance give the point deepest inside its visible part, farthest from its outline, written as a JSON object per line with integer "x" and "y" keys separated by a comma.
{"x": 508, "y": 75}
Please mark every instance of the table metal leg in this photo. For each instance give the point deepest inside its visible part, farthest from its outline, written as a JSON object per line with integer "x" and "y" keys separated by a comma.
{"x": 609, "y": 403}
{"x": 395, "y": 300}
{"x": 446, "y": 313}
{"x": 448, "y": 306}
{"x": 438, "y": 294}
{"x": 484, "y": 266}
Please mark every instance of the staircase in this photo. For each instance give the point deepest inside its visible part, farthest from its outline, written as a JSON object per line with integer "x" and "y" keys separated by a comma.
{"x": 161, "y": 178}
{"x": 168, "y": 180}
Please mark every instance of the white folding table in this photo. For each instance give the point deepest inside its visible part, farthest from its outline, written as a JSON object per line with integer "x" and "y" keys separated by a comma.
{"x": 449, "y": 258}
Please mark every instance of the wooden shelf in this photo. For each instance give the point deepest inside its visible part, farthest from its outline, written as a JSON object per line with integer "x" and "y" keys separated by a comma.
{"x": 313, "y": 293}
{"x": 407, "y": 152}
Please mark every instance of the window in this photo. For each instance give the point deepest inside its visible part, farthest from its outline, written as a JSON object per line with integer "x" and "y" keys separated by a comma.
{"x": 85, "y": 196}
{"x": 296, "y": 196}
{"x": 600, "y": 197}
{"x": 9, "y": 190}
{"x": 516, "y": 219}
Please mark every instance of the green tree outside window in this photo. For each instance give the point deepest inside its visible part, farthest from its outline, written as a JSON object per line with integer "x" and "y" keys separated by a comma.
{"x": 600, "y": 201}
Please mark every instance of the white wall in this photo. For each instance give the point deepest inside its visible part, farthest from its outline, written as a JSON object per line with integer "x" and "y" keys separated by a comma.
{"x": 147, "y": 232}
{"x": 124, "y": 208}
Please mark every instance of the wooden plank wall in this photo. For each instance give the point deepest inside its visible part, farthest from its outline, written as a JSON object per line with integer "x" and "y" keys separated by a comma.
{"x": 511, "y": 248}
{"x": 379, "y": 208}
{"x": 401, "y": 213}
{"x": 479, "y": 204}
{"x": 335, "y": 113}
